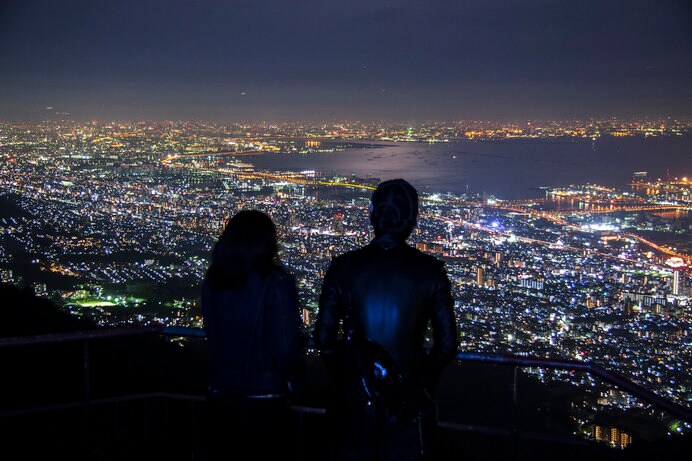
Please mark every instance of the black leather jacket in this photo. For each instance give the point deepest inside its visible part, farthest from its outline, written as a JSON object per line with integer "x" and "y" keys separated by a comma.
{"x": 390, "y": 292}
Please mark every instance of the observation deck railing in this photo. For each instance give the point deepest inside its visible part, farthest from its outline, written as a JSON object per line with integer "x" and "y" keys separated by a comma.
{"x": 101, "y": 424}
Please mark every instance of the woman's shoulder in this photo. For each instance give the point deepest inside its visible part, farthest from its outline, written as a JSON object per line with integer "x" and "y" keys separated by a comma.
{"x": 282, "y": 274}
{"x": 284, "y": 286}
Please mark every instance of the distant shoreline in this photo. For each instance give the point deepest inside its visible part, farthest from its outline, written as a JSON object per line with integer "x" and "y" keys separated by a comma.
{"x": 509, "y": 169}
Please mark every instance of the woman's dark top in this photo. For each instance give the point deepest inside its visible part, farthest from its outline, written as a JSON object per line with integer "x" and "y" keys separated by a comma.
{"x": 254, "y": 335}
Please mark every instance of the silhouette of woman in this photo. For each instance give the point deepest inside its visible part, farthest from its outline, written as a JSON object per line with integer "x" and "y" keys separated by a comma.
{"x": 251, "y": 317}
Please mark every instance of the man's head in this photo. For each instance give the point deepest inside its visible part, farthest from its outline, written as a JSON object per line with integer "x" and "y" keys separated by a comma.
{"x": 394, "y": 209}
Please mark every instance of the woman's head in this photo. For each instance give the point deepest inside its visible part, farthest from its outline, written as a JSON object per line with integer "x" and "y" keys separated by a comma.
{"x": 248, "y": 243}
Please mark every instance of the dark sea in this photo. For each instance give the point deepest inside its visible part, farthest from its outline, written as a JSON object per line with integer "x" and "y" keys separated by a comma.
{"x": 511, "y": 169}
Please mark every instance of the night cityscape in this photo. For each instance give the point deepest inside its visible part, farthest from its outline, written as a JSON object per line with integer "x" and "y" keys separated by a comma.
{"x": 114, "y": 222}
{"x": 550, "y": 145}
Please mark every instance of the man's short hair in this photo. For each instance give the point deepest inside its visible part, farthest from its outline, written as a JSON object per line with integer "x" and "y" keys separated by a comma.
{"x": 394, "y": 208}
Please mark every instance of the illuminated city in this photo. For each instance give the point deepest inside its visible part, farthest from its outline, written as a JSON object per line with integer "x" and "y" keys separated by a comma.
{"x": 114, "y": 221}
{"x": 550, "y": 147}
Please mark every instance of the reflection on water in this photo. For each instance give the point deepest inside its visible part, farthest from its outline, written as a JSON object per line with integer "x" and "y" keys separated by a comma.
{"x": 580, "y": 206}
{"x": 515, "y": 169}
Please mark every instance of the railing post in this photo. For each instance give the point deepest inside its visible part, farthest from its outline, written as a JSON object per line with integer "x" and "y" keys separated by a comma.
{"x": 515, "y": 374}
{"x": 514, "y": 387}
{"x": 86, "y": 397}
{"x": 86, "y": 367}
{"x": 301, "y": 437}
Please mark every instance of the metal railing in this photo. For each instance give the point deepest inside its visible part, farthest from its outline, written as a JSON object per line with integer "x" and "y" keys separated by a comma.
{"x": 86, "y": 338}
{"x": 611, "y": 377}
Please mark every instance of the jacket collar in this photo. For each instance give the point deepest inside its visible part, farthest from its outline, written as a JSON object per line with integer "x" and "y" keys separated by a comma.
{"x": 387, "y": 241}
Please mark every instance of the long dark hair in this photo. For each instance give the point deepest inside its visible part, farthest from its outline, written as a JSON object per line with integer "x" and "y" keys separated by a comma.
{"x": 247, "y": 244}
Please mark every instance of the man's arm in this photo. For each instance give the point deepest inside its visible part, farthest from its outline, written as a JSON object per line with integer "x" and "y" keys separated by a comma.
{"x": 444, "y": 327}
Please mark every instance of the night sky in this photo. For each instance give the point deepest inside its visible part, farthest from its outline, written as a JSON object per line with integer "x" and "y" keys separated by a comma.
{"x": 411, "y": 60}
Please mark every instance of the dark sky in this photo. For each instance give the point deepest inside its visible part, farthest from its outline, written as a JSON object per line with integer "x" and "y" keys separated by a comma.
{"x": 407, "y": 60}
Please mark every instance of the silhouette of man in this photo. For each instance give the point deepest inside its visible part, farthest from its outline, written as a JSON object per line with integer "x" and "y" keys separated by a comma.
{"x": 392, "y": 294}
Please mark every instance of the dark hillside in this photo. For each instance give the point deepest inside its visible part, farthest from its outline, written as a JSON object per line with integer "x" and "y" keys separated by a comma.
{"x": 24, "y": 314}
